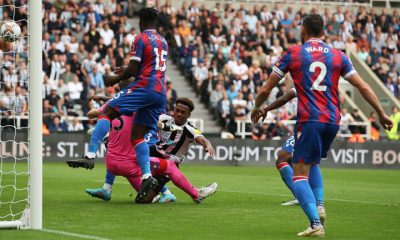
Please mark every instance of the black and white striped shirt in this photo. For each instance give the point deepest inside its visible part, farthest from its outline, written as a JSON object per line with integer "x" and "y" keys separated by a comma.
{"x": 176, "y": 143}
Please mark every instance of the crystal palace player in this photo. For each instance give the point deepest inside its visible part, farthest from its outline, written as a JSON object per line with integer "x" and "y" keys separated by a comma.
{"x": 145, "y": 96}
{"x": 315, "y": 68}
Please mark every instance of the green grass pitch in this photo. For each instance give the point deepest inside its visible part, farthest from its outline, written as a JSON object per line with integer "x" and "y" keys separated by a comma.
{"x": 361, "y": 204}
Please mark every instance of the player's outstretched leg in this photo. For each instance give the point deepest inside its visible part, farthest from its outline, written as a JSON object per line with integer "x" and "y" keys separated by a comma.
{"x": 179, "y": 180}
{"x": 104, "y": 192}
{"x": 317, "y": 186}
{"x": 99, "y": 132}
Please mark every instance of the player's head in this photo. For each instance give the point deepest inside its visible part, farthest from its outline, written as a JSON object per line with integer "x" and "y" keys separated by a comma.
{"x": 313, "y": 26}
{"x": 148, "y": 18}
{"x": 183, "y": 109}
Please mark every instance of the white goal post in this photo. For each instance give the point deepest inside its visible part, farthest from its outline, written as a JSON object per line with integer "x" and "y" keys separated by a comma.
{"x": 30, "y": 216}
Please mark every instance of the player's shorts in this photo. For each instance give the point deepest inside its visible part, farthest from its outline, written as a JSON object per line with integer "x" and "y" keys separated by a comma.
{"x": 288, "y": 145}
{"x": 131, "y": 169}
{"x": 147, "y": 104}
{"x": 313, "y": 141}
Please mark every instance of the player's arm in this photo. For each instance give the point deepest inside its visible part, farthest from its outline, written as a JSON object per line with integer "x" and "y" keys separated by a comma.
{"x": 282, "y": 100}
{"x": 94, "y": 113}
{"x": 130, "y": 71}
{"x": 369, "y": 95}
{"x": 206, "y": 145}
{"x": 272, "y": 81}
{"x": 168, "y": 127}
{"x": 98, "y": 98}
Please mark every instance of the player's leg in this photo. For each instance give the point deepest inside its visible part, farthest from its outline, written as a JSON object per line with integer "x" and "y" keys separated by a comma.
{"x": 315, "y": 176}
{"x": 285, "y": 169}
{"x": 105, "y": 191}
{"x": 307, "y": 150}
{"x": 179, "y": 180}
{"x": 100, "y": 131}
{"x": 152, "y": 105}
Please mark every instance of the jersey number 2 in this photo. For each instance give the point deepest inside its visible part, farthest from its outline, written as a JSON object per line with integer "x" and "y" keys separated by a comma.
{"x": 160, "y": 60}
{"x": 321, "y": 76}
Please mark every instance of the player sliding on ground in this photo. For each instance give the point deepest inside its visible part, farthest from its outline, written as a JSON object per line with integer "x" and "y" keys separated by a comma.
{"x": 172, "y": 145}
{"x": 315, "y": 68}
{"x": 121, "y": 161}
{"x": 145, "y": 96}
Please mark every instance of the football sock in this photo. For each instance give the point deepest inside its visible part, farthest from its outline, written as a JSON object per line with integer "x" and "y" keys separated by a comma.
{"x": 180, "y": 180}
{"x": 110, "y": 178}
{"x": 142, "y": 155}
{"x": 165, "y": 190}
{"x": 316, "y": 184}
{"x": 286, "y": 172}
{"x": 306, "y": 199}
{"x": 100, "y": 130}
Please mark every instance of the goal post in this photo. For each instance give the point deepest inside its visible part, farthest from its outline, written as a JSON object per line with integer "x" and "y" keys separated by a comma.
{"x": 21, "y": 144}
{"x": 35, "y": 114}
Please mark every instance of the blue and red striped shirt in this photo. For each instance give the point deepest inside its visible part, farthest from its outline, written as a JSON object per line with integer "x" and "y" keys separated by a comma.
{"x": 150, "y": 49}
{"x": 316, "y": 68}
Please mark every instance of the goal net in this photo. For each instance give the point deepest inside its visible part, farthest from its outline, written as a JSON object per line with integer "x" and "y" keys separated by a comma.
{"x": 20, "y": 119}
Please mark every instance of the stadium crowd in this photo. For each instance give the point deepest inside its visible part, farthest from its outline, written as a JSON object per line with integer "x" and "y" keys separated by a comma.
{"x": 227, "y": 53}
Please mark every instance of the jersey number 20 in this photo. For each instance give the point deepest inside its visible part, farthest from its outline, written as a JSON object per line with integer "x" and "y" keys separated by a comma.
{"x": 160, "y": 60}
{"x": 321, "y": 76}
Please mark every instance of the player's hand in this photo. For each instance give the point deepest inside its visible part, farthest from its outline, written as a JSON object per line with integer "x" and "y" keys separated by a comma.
{"x": 263, "y": 113}
{"x": 110, "y": 80}
{"x": 386, "y": 122}
{"x": 210, "y": 150}
{"x": 119, "y": 70}
{"x": 256, "y": 114}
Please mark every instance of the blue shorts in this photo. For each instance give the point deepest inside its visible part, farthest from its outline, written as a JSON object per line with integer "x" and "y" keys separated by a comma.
{"x": 148, "y": 105}
{"x": 313, "y": 141}
{"x": 288, "y": 145}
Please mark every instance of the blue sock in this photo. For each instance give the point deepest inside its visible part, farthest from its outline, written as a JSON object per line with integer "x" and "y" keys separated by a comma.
{"x": 143, "y": 158}
{"x": 286, "y": 172}
{"x": 100, "y": 131}
{"x": 316, "y": 184}
{"x": 306, "y": 199}
{"x": 110, "y": 178}
{"x": 164, "y": 189}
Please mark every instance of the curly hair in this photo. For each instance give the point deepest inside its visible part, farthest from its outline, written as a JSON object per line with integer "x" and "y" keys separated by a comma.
{"x": 185, "y": 101}
{"x": 148, "y": 15}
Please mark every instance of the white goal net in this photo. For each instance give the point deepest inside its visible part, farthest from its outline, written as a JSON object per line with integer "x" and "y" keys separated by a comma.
{"x": 20, "y": 136}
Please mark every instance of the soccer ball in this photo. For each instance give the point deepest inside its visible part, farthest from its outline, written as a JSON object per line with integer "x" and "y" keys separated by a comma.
{"x": 10, "y": 31}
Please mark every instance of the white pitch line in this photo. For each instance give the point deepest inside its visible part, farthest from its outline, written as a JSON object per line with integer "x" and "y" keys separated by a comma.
{"x": 287, "y": 195}
{"x": 73, "y": 234}
{"x": 329, "y": 199}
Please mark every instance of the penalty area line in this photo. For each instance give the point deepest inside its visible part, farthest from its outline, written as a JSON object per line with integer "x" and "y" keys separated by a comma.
{"x": 77, "y": 235}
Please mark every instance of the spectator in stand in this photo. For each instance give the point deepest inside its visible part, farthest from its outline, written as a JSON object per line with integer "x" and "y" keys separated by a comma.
{"x": 374, "y": 126}
{"x": 57, "y": 125}
{"x": 96, "y": 80}
{"x": 345, "y": 119}
{"x": 171, "y": 97}
{"x": 75, "y": 125}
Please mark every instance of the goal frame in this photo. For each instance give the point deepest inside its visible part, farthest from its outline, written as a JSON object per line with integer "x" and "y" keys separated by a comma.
{"x": 32, "y": 215}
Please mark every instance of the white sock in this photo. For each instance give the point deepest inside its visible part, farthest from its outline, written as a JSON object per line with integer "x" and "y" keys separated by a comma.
{"x": 146, "y": 176}
{"x": 167, "y": 192}
{"x": 91, "y": 155}
{"x": 107, "y": 187}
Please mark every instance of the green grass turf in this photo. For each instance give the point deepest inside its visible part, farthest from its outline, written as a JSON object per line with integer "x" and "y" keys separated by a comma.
{"x": 361, "y": 204}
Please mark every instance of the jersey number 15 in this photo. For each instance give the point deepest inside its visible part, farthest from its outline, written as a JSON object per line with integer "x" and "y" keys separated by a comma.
{"x": 160, "y": 60}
